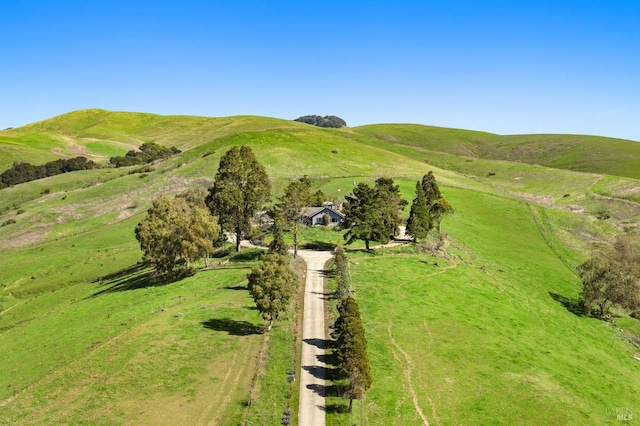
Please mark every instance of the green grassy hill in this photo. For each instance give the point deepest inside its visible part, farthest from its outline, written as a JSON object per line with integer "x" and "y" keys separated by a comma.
{"x": 486, "y": 337}
{"x": 593, "y": 154}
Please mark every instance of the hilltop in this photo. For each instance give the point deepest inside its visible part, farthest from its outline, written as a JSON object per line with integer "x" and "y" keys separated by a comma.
{"x": 99, "y": 134}
{"x": 487, "y": 335}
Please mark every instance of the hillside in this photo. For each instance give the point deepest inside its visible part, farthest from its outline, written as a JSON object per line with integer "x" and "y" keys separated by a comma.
{"x": 485, "y": 337}
{"x": 593, "y": 154}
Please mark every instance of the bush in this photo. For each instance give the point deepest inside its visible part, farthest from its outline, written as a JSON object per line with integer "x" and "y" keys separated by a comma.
{"x": 635, "y": 314}
{"x": 8, "y": 222}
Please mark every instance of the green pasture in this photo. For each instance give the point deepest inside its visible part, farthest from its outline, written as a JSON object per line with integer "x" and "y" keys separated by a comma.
{"x": 487, "y": 335}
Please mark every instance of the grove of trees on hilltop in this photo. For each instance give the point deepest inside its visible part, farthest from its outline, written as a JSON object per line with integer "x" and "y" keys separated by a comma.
{"x": 326, "y": 121}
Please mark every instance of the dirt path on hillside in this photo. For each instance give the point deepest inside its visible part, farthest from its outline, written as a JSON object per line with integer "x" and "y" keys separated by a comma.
{"x": 407, "y": 358}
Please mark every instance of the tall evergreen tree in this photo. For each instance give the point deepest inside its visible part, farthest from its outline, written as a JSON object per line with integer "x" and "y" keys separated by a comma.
{"x": 240, "y": 189}
{"x": 343, "y": 278}
{"x": 430, "y": 187}
{"x": 418, "y": 224}
{"x": 390, "y": 205}
{"x": 351, "y": 350}
{"x": 363, "y": 218}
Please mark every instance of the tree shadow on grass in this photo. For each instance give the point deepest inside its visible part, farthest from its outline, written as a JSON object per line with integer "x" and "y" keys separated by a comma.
{"x": 571, "y": 305}
{"x": 237, "y": 287}
{"x": 337, "y": 408}
{"x": 233, "y": 327}
{"x": 132, "y": 277}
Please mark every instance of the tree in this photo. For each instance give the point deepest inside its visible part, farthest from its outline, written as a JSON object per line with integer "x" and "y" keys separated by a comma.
{"x": 362, "y": 217}
{"x": 296, "y": 196}
{"x": 351, "y": 350}
{"x": 431, "y": 189}
{"x": 272, "y": 286}
{"x": 174, "y": 231}
{"x": 611, "y": 278}
{"x": 318, "y": 198}
{"x": 437, "y": 211}
{"x": 277, "y": 245}
{"x": 431, "y": 193}
{"x": 390, "y": 205}
{"x": 240, "y": 189}
{"x": 418, "y": 222}
{"x": 343, "y": 277}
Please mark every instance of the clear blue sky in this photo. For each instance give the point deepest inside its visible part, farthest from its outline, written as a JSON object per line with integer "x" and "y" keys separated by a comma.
{"x": 500, "y": 66}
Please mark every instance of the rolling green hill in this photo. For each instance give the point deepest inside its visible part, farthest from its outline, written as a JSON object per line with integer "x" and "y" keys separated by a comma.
{"x": 593, "y": 154}
{"x": 485, "y": 338}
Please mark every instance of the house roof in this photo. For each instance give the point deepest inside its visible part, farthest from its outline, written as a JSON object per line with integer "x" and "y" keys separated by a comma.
{"x": 314, "y": 211}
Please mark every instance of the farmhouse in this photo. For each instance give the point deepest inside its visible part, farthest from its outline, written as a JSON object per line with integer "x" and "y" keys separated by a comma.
{"x": 325, "y": 215}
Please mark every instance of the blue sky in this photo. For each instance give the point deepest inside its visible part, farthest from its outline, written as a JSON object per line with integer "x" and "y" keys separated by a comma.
{"x": 500, "y": 66}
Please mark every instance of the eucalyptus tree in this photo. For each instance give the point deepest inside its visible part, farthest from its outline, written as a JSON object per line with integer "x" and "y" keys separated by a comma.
{"x": 240, "y": 189}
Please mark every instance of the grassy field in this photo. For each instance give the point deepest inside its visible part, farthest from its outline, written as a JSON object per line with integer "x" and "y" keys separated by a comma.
{"x": 593, "y": 154}
{"x": 487, "y": 336}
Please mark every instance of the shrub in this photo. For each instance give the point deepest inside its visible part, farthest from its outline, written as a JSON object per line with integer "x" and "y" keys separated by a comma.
{"x": 8, "y": 222}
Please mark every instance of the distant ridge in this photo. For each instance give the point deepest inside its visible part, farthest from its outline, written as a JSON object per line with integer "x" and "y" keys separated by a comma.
{"x": 99, "y": 134}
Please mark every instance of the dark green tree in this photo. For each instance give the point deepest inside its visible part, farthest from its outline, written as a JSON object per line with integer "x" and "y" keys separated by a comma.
{"x": 272, "y": 286}
{"x": 296, "y": 196}
{"x": 351, "y": 350}
{"x": 241, "y": 187}
{"x": 430, "y": 187}
{"x": 318, "y": 198}
{"x": 363, "y": 218}
{"x": 343, "y": 277}
{"x": 175, "y": 234}
{"x": 390, "y": 205}
{"x": 418, "y": 222}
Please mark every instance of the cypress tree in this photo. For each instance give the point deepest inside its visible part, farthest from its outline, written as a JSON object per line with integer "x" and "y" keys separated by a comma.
{"x": 418, "y": 224}
{"x": 351, "y": 352}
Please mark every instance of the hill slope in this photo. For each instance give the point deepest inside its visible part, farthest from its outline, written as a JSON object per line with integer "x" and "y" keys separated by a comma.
{"x": 83, "y": 327}
{"x": 592, "y": 154}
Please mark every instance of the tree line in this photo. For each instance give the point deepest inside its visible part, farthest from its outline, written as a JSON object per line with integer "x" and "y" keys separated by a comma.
{"x": 21, "y": 172}
{"x": 350, "y": 344}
